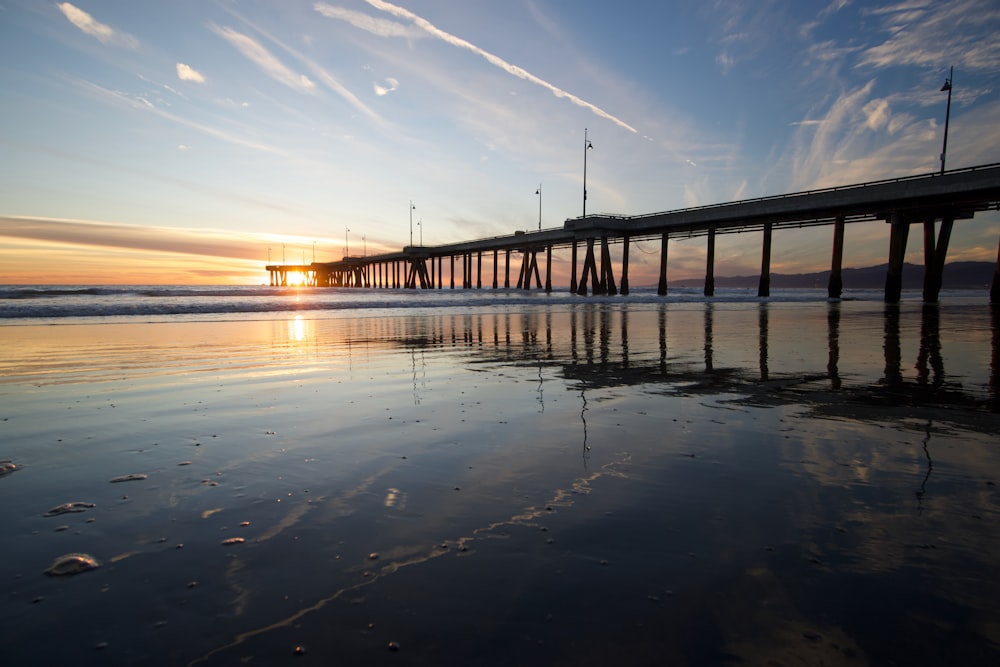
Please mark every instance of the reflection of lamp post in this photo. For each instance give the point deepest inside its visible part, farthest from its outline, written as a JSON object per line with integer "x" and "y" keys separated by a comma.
{"x": 539, "y": 193}
{"x": 347, "y": 230}
{"x": 947, "y": 114}
{"x": 587, "y": 146}
{"x": 412, "y": 207}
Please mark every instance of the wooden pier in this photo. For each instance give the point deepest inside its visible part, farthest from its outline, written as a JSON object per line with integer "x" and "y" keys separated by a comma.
{"x": 928, "y": 200}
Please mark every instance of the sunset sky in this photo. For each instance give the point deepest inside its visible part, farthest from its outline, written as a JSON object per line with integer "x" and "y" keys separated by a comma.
{"x": 189, "y": 141}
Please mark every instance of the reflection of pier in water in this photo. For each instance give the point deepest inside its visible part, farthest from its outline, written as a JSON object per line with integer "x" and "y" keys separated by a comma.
{"x": 603, "y": 347}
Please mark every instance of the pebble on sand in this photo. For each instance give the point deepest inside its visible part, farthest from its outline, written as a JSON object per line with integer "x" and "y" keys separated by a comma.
{"x": 6, "y": 467}
{"x": 72, "y": 564}
{"x": 233, "y": 540}
{"x": 133, "y": 477}
{"x": 67, "y": 508}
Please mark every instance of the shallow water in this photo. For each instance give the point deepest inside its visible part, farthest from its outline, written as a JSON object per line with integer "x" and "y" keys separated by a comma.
{"x": 566, "y": 483}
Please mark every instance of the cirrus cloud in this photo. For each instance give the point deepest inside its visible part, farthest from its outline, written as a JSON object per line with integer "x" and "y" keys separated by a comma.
{"x": 102, "y": 32}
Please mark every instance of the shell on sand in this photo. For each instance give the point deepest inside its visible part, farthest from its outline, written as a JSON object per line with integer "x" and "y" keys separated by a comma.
{"x": 72, "y": 564}
{"x": 233, "y": 540}
{"x": 6, "y": 467}
{"x": 67, "y": 508}
{"x": 134, "y": 477}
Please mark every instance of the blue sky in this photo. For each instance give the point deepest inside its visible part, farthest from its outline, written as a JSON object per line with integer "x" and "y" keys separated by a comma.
{"x": 202, "y": 135}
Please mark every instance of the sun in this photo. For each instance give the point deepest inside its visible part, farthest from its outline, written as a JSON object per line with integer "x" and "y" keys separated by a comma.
{"x": 296, "y": 278}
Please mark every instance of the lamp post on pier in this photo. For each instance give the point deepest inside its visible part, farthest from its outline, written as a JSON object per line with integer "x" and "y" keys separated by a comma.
{"x": 587, "y": 146}
{"x": 420, "y": 225}
{"x": 412, "y": 207}
{"x": 947, "y": 114}
{"x": 347, "y": 231}
{"x": 539, "y": 193}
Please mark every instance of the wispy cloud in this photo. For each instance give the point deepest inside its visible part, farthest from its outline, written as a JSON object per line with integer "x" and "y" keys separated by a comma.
{"x": 391, "y": 84}
{"x": 495, "y": 60}
{"x": 188, "y": 73}
{"x": 321, "y": 73}
{"x": 99, "y": 31}
{"x": 209, "y": 243}
{"x": 141, "y": 103}
{"x": 376, "y": 26}
{"x": 265, "y": 60}
{"x": 926, "y": 33}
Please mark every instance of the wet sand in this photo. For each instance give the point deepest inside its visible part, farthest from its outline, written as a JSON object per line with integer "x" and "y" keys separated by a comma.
{"x": 585, "y": 484}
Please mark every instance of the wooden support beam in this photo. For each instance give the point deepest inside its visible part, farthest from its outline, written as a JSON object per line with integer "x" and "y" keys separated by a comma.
{"x": 495, "y": 255}
{"x": 521, "y": 275}
{"x": 572, "y": 265}
{"x": 607, "y": 270}
{"x": 662, "y": 286}
{"x": 534, "y": 269}
{"x": 479, "y": 270}
{"x": 710, "y": 264}
{"x": 835, "y": 288}
{"x": 548, "y": 269}
{"x": 764, "y": 286}
{"x": 995, "y": 287}
{"x": 934, "y": 263}
{"x": 625, "y": 245}
{"x": 899, "y": 231}
{"x": 506, "y": 275}
{"x": 588, "y": 266}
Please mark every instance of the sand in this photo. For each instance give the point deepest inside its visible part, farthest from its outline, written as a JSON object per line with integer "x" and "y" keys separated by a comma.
{"x": 583, "y": 484}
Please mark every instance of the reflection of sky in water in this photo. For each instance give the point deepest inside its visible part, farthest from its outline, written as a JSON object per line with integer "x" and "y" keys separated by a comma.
{"x": 679, "y": 483}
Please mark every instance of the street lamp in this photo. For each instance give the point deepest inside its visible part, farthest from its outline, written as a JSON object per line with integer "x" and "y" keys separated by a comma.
{"x": 587, "y": 146}
{"x": 364, "y": 241}
{"x": 347, "y": 230}
{"x": 420, "y": 224}
{"x": 947, "y": 114}
{"x": 412, "y": 207}
{"x": 539, "y": 193}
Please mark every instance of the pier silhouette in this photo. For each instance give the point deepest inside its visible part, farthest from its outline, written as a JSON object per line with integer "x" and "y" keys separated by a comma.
{"x": 935, "y": 201}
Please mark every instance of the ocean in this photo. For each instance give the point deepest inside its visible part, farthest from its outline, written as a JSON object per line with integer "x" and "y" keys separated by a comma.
{"x": 225, "y": 475}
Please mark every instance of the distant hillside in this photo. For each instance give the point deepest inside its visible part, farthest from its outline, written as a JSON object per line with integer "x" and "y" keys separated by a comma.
{"x": 957, "y": 275}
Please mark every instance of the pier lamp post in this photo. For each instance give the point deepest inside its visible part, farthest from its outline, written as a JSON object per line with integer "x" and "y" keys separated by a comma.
{"x": 539, "y": 193}
{"x": 587, "y": 146}
{"x": 947, "y": 114}
{"x": 364, "y": 243}
{"x": 347, "y": 230}
{"x": 412, "y": 207}
{"x": 420, "y": 226}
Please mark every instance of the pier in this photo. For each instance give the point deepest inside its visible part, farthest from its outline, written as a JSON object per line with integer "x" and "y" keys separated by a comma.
{"x": 934, "y": 201}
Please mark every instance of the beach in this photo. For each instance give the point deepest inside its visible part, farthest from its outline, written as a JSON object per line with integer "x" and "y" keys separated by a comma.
{"x": 520, "y": 482}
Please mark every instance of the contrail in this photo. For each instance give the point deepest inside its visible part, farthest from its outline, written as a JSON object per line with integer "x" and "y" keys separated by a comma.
{"x": 519, "y": 72}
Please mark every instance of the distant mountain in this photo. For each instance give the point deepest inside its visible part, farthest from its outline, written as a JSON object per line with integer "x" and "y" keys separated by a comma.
{"x": 957, "y": 275}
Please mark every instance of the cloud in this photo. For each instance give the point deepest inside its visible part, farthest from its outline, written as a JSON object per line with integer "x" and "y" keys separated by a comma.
{"x": 929, "y": 34}
{"x": 391, "y": 84}
{"x": 320, "y": 73}
{"x": 376, "y": 26}
{"x": 876, "y": 114}
{"x": 186, "y": 73}
{"x": 208, "y": 243}
{"x": 99, "y": 31}
{"x": 514, "y": 70}
{"x": 256, "y": 53}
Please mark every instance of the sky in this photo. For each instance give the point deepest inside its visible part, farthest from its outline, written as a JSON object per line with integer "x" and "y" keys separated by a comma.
{"x": 193, "y": 141}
